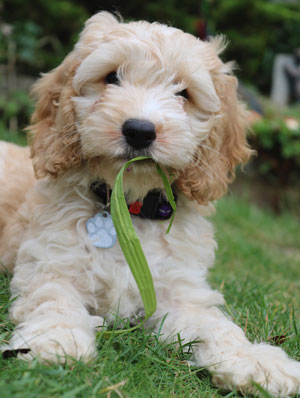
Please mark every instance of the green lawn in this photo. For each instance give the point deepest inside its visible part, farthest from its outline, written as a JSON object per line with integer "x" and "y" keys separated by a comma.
{"x": 258, "y": 270}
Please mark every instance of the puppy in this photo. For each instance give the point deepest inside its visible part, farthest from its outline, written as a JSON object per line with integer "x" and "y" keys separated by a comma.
{"x": 128, "y": 90}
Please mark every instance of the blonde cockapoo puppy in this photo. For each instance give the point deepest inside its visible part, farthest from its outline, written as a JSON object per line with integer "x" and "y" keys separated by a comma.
{"x": 128, "y": 89}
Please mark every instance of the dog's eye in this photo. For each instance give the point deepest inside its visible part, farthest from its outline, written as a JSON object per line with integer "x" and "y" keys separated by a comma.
{"x": 184, "y": 93}
{"x": 112, "y": 78}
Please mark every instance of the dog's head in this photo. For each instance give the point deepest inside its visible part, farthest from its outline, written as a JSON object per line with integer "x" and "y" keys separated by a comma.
{"x": 130, "y": 89}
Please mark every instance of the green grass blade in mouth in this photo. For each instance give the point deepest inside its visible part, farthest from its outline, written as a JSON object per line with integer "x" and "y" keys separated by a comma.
{"x": 129, "y": 241}
{"x": 130, "y": 244}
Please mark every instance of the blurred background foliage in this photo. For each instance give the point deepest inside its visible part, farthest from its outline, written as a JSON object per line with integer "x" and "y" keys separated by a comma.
{"x": 45, "y": 30}
{"x": 257, "y": 31}
{"x": 35, "y": 35}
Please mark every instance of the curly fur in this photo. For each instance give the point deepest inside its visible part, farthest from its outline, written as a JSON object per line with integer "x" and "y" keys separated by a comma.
{"x": 63, "y": 286}
{"x": 214, "y": 163}
{"x": 55, "y": 147}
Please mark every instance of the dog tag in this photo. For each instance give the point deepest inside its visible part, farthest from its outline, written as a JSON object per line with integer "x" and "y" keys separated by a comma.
{"x": 101, "y": 230}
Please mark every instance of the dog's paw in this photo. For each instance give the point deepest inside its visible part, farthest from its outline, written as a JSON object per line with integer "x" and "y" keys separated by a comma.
{"x": 263, "y": 365}
{"x": 55, "y": 344}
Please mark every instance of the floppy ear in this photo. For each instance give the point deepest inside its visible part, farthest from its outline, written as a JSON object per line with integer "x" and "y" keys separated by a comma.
{"x": 213, "y": 166}
{"x": 55, "y": 144}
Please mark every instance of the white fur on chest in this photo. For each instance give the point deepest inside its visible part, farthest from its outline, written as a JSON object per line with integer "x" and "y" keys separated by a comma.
{"x": 64, "y": 251}
{"x": 182, "y": 256}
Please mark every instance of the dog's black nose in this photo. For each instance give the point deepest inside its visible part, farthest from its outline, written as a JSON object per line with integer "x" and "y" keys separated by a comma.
{"x": 138, "y": 133}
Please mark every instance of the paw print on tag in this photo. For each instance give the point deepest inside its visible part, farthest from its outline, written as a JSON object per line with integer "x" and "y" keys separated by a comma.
{"x": 101, "y": 230}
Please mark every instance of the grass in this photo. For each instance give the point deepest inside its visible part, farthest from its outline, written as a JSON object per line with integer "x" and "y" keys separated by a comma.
{"x": 257, "y": 269}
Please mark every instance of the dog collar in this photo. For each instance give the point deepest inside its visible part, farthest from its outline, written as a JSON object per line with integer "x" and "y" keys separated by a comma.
{"x": 153, "y": 207}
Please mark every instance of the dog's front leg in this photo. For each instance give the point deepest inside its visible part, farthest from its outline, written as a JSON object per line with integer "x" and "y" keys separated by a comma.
{"x": 52, "y": 320}
{"x": 223, "y": 348}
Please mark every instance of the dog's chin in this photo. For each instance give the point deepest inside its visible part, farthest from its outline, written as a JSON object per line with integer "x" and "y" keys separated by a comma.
{"x": 139, "y": 178}
{"x": 107, "y": 167}
{"x": 140, "y": 166}
{"x": 131, "y": 153}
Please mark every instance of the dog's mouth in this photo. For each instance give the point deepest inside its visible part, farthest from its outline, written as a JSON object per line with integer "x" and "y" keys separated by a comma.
{"x": 143, "y": 164}
{"x": 131, "y": 153}
{"x": 141, "y": 167}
